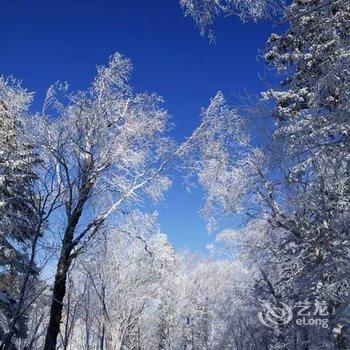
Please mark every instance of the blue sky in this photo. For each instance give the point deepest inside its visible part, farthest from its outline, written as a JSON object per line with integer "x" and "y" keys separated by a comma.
{"x": 45, "y": 41}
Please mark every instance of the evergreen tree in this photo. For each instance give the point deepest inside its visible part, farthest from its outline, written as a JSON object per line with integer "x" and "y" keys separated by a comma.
{"x": 312, "y": 124}
{"x": 18, "y": 215}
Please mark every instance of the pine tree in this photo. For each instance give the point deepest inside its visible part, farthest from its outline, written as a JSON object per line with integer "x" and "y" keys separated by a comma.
{"x": 18, "y": 214}
{"x": 312, "y": 125}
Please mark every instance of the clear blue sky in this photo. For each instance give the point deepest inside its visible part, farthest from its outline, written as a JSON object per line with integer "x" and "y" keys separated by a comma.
{"x": 49, "y": 40}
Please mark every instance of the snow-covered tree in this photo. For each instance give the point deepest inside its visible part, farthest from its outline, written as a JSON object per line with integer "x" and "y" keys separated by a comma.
{"x": 204, "y": 12}
{"x": 106, "y": 148}
{"x": 124, "y": 278}
{"x": 118, "y": 283}
{"x": 293, "y": 189}
{"x": 312, "y": 125}
{"x": 19, "y": 216}
{"x": 294, "y": 230}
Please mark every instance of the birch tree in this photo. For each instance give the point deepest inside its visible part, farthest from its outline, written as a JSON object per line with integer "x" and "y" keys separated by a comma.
{"x": 106, "y": 150}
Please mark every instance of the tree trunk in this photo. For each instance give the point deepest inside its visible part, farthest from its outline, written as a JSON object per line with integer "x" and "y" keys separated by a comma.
{"x": 59, "y": 292}
{"x": 64, "y": 263}
{"x": 102, "y": 342}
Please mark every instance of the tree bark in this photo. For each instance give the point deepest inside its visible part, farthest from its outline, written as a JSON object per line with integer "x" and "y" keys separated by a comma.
{"x": 59, "y": 292}
{"x": 64, "y": 263}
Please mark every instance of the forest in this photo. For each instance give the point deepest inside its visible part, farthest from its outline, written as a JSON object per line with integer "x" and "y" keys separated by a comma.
{"x": 84, "y": 263}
